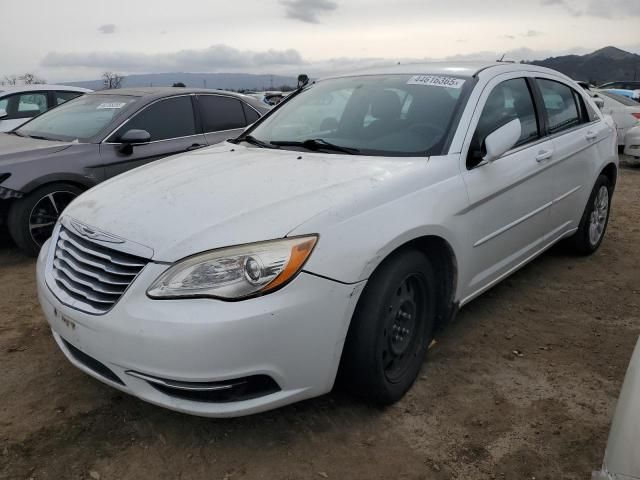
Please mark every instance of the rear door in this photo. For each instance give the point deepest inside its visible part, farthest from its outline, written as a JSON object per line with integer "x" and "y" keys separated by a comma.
{"x": 509, "y": 198}
{"x": 223, "y": 117}
{"x": 576, "y": 132}
{"x": 170, "y": 122}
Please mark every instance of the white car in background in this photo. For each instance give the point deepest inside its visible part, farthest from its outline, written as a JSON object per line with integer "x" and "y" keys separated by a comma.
{"x": 246, "y": 276}
{"x": 624, "y": 111}
{"x": 19, "y": 104}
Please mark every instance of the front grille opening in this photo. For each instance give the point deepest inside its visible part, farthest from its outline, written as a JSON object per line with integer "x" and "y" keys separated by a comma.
{"x": 92, "y": 364}
{"x": 93, "y": 275}
{"x": 235, "y": 390}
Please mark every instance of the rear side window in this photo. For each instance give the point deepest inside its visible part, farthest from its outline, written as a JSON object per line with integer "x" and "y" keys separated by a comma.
{"x": 559, "y": 101}
{"x": 24, "y": 105}
{"x": 221, "y": 113}
{"x": 166, "y": 119}
{"x": 508, "y": 101}
{"x": 250, "y": 114}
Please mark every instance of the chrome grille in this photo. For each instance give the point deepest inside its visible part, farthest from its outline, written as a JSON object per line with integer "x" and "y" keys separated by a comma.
{"x": 92, "y": 275}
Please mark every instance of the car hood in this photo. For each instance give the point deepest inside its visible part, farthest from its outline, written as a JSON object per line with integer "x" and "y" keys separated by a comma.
{"x": 15, "y": 149}
{"x": 228, "y": 195}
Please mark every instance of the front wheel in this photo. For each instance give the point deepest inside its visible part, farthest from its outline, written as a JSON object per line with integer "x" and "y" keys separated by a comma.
{"x": 31, "y": 219}
{"x": 595, "y": 218}
{"x": 391, "y": 329}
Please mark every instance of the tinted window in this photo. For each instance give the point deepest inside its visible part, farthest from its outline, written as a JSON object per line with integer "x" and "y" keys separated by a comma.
{"x": 560, "y": 104}
{"x": 24, "y": 105}
{"x": 80, "y": 119}
{"x": 221, "y": 113}
{"x": 509, "y": 100}
{"x": 170, "y": 118}
{"x": 61, "y": 97}
{"x": 250, "y": 114}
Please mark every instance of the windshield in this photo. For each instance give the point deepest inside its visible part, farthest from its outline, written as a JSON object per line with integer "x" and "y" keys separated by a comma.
{"x": 390, "y": 115}
{"x": 79, "y": 119}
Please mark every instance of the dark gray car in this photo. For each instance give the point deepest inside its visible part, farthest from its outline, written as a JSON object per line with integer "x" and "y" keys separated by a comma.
{"x": 50, "y": 160}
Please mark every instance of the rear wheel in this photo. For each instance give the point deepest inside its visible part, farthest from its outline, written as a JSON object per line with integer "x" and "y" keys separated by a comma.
{"x": 32, "y": 218}
{"x": 391, "y": 329}
{"x": 595, "y": 218}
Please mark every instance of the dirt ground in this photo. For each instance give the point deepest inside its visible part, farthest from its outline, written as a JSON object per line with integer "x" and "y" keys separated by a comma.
{"x": 478, "y": 410}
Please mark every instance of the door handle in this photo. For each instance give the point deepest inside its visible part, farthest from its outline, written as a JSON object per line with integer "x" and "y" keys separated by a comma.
{"x": 591, "y": 135}
{"x": 195, "y": 146}
{"x": 544, "y": 155}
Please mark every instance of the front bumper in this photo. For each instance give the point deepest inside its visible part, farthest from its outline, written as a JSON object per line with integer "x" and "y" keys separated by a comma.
{"x": 294, "y": 336}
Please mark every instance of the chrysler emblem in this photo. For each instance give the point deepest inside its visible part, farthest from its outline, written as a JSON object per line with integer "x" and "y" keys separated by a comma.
{"x": 94, "y": 234}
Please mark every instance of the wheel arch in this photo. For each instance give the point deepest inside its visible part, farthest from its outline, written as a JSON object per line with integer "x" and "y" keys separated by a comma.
{"x": 80, "y": 181}
{"x": 611, "y": 172}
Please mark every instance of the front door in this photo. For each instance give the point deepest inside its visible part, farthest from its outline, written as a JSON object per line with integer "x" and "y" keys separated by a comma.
{"x": 509, "y": 198}
{"x": 171, "y": 124}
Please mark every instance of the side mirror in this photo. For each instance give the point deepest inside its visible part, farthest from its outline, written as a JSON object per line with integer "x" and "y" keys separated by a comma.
{"x": 302, "y": 80}
{"x": 599, "y": 102}
{"x": 3, "y": 113}
{"x": 133, "y": 137}
{"x": 502, "y": 140}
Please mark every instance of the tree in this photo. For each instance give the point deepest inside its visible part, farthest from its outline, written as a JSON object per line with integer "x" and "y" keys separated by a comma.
{"x": 31, "y": 79}
{"x": 10, "y": 80}
{"x": 112, "y": 80}
{"x": 178, "y": 84}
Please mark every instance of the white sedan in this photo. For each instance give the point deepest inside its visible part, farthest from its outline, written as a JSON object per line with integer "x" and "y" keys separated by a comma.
{"x": 624, "y": 111}
{"x": 20, "y": 104}
{"x": 249, "y": 275}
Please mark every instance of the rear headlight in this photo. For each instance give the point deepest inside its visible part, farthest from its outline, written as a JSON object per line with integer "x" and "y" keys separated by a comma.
{"x": 637, "y": 115}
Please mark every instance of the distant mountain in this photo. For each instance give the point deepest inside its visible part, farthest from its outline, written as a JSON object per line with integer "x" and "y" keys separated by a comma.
{"x": 234, "y": 81}
{"x": 605, "y": 65}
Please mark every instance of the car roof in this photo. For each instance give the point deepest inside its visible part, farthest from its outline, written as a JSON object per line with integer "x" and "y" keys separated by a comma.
{"x": 159, "y": 92}
{"x": 27, "y": 88}
{"x": 458, "y": 69}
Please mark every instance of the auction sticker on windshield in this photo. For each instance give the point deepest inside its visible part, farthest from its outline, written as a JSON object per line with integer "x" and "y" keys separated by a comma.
{"x": 112, "y": 105}
{"x": 436, "y": 81}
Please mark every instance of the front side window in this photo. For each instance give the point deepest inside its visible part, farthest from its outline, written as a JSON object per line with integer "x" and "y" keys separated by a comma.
{"x": 385, "y": 115}
{"x": 508, "y": 101}
{"x": 79, "y": 120}
{"x": 165, "y": 119}
{"x": 560, "y": 103}
{"x": 221, "y": 113}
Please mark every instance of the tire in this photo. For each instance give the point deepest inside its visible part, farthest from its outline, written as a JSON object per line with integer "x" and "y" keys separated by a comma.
{"x": 31, "y": 219}
{"x": 396, "y": 313}
{"x": 593, "y": 224}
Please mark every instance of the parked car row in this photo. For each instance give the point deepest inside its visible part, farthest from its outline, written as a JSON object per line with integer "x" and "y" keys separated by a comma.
{"x": 49, "y": 161}
{"x": 330, "y": 239}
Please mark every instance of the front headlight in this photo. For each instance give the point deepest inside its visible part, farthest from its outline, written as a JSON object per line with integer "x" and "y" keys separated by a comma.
{"x": 235, "y": 272}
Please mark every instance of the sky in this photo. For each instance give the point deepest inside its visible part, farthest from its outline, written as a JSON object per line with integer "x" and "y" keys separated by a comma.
{"x": 79, "y": 39}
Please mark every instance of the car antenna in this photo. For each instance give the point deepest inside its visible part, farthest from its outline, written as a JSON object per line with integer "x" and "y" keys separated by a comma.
{"x": 502, "y": 57}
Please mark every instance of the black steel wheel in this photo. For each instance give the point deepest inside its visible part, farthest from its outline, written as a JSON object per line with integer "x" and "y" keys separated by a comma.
{"x": 391, "y": 329}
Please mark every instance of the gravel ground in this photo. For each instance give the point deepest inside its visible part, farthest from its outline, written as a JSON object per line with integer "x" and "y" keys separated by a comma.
{"x": 522, "y": 386}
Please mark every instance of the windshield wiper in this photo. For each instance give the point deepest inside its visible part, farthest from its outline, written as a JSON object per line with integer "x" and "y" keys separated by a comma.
{"x": 316, "y": 144}
{"x": 39, "y": 137}
{"x": 253, "y": 141}
{"x": 14, "y": 133}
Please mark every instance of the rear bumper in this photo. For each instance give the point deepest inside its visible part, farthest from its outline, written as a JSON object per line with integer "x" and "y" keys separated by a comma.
{"x": 293, "y": 336}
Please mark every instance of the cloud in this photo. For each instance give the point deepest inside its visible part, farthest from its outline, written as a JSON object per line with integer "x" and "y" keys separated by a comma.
{"x": 214, "y": 58}
{"x": 612, "y": 9}
{"x": 308, "y": 10}
{"x": 532, "y": 33}
{"x": 510, "y": 37}
{"x": 107, "y": 28}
